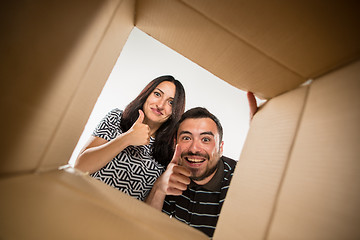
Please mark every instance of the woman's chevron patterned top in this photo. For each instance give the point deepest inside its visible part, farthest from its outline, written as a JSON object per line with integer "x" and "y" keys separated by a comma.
{"x": 132, "y": 171}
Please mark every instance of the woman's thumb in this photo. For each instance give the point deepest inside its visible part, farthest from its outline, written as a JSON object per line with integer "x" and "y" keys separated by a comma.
{"x": 141, "y": 117}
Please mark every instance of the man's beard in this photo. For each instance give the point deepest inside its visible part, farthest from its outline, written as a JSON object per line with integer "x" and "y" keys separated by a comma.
{"x": 207, "y": 172}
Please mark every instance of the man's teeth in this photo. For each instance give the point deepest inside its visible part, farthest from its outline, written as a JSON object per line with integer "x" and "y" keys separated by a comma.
{"x": 195, "y": 160}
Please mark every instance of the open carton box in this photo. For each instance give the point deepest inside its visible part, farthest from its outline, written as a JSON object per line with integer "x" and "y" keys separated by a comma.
{"x": 298, "y": 176}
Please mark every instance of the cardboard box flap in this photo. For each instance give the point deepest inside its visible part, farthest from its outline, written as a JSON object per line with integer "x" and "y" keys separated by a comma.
{"x": 249, "y": 203}
{"x": 319, "y": 198}
{"x": 308, "y": 37}
{"x": 213, "y": 47}
{"x": 57, "y": 58}
{"x": 66, "y": 205}
{"x": 265, "y": 47}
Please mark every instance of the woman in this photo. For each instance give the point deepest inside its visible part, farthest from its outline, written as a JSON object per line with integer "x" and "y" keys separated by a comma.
{"x": 130, "y": 149}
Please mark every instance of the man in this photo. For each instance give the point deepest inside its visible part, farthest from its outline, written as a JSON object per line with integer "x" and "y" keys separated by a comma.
{"x": 194, "y": 186}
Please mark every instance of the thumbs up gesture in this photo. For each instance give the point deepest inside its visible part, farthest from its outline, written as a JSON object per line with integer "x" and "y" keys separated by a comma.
{"x": 139, "y": 133}
{"x": 176, "y": 178}
{"x": 173, "y": 181}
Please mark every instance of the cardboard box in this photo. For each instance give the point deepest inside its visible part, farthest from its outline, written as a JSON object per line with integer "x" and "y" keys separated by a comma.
{"x": 56, "y": 57}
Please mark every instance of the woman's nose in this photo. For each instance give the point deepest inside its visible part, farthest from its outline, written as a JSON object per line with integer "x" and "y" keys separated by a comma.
{"x": 160, "y": 104}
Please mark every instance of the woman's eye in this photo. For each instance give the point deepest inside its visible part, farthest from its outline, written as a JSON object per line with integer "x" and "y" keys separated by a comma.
{"x": 171, "y": 102}
{"x": 185, "y": 138}
{"x": 157, "y": 94}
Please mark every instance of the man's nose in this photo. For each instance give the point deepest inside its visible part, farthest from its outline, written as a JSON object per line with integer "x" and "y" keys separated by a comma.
{"x": 194, "y": 146}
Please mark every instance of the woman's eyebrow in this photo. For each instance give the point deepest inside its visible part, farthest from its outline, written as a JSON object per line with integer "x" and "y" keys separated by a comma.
{"x": 160, "y": 90}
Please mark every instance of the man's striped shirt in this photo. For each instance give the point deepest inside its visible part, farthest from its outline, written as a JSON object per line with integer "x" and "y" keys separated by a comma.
{"x": 200, "y": 205}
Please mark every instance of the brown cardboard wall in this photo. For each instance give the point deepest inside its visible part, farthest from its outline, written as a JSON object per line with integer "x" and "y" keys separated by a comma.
{"x": 266, "y": 47}
{"x": 299, "y": 173}
{"x": 68, "y": 205}
{"x": 214, "y": 48}
{"x": 307, "y": 37}
{"x": 50, "y": 49}
{"x": 93, "y": 79}
{"x": 249, "y": 203}
{"x": 320, "y": 196}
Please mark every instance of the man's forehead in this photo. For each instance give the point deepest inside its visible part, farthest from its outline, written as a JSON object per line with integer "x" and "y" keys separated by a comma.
{"x": 198, "y": 125}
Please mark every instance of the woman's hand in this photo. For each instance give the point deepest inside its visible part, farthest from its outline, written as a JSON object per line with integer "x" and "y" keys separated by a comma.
{"x": 139, "y": 133}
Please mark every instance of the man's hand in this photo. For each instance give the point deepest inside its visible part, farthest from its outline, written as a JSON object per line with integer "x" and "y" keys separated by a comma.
{"x": 252, "y": 104}
{"x": 176, "y": 178}
{"x": 173, "y": 181}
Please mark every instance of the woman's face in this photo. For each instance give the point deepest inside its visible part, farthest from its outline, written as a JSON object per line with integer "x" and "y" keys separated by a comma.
{"x": 158, "y": 105}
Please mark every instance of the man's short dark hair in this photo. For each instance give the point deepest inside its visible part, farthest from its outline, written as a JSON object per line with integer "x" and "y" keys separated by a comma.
{"x": 200, "y": 112}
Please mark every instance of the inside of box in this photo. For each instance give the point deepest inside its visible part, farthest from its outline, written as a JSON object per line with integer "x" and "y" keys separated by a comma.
{"x": 298, "y": 174}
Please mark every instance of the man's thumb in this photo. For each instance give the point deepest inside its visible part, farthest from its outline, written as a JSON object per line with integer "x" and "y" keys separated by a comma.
{"x": 176, "y": 155}
{"x": 252, "y": 104}
{"x": 141, "y": 117}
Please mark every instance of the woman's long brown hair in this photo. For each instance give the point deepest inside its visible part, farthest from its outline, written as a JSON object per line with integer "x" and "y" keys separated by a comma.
{"x": 163, "y": 145}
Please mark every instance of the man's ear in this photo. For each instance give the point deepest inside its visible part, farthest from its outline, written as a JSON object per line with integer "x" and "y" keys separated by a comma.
{"x": 221, "y": 148}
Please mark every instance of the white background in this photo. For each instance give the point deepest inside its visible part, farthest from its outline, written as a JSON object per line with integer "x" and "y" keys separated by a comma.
{"x": 143, "y": 59}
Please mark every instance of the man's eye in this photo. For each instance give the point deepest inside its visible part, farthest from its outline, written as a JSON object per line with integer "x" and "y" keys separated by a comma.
{"x": 185, "y": 138}
{"x": 206, "y": 139}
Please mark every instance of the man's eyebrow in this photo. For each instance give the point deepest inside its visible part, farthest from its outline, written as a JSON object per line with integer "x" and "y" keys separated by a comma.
{"x": 184, "y": 132}
{"x": 207, "y": 133}
{"x": 203, "y": 133}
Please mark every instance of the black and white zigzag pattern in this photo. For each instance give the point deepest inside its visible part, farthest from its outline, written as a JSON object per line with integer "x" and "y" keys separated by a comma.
{"x": 132, "y": 171}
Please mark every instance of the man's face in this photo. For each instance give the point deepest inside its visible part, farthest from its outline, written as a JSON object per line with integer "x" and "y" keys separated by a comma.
{"x": 200, "y": 148}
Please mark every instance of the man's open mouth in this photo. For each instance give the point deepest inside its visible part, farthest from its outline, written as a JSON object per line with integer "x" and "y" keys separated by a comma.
{"x": 194, "y": 160}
